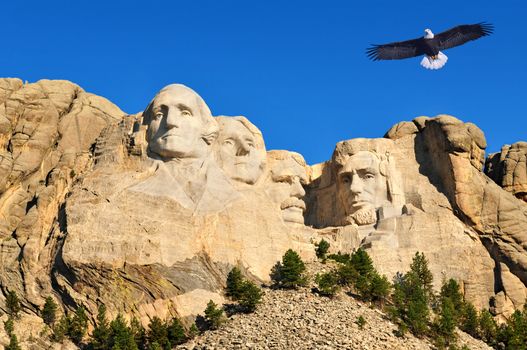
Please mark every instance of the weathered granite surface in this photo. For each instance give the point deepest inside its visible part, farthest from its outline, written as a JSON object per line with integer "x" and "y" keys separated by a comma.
{"x": 147, "y": 213}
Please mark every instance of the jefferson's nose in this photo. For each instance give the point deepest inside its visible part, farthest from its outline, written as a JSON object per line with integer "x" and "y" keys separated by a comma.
{"x": 243, "y": 149}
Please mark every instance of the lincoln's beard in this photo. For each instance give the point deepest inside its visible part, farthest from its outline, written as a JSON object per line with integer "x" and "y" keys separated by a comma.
{"x": 363, "y": 216}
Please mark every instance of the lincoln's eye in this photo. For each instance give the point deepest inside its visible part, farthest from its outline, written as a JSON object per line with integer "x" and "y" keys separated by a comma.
{"x": 345, "y": 180}
{"x": 369, "y": 176}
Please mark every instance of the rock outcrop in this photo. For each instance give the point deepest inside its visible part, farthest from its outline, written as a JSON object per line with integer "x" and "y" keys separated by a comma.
{"x": 147, "y": 213}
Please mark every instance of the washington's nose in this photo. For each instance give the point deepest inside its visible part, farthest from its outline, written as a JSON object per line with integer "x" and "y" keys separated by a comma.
{"x": 172, "y": 119}
{"x": 297, "y": 189}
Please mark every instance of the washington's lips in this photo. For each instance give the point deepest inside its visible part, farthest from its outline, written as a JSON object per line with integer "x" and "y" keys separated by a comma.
{"x": 166, "y": 136}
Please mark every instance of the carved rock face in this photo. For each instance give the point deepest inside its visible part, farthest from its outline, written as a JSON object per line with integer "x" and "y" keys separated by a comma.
{"x": 240, "y": 149}
{"x": 285, "y": 186}
{"x": 361, "y": 187}
{"x": 177, "y": 124}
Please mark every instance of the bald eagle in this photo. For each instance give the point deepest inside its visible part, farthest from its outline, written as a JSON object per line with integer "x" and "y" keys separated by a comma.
{"x": 430, "y": 45}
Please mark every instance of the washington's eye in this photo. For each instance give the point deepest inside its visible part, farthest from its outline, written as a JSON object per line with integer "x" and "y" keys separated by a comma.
{"x": 186, "y": 113}
{"x": 228, "y": 142}
{"x": 250, "y": 144}
{"x": 158, "y": 115}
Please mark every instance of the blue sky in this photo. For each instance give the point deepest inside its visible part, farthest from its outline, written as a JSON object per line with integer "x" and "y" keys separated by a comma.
{"x": 296, "y": 69}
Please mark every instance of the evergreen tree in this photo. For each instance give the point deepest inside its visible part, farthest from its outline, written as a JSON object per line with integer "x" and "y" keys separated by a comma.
{"x": 138, "y": 332}
{"x": 60, "y": 329}
{"x": 419, "y": 268}
{"x": 12, "y": 304}
{"x": 361, "y": 322}
{"x": 120, "y": 335}
{"x": 379, "y": 288}
{"x": 13, "y": 343}
{"x": 176, "y": 332}
{"x": 234, "y": 283}
{"x": 100, "y": 338}
{"x": 9, "y": 326}
{"x": 347, "y": 274}
{"x": 49, "y": 311}
{"x": 412, "y": 295}
{"x": 450, "y": 290}
{"x": 468, "y": 322}
{"x": 214, "y": 315}
{"x": 514, "y": 334}
{"x": 290, "y": 273}
{"x": 78, "y": 325}
{"x": 488, "y": 329}
{"x": 327, "y": 283}
{"x": 322, "y": 249}
{"x": 250, "y": 296}
{"x": 362, "y": 262}
{"x": 445, "y": 324}
{"x": 155, "y": 346}
{"x": 193, "y": 331}
{"x": 158, "y": 333}
{"x": 417, "y": 313}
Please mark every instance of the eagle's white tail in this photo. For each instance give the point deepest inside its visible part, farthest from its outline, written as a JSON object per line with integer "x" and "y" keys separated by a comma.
{"x": 430, "y": 63}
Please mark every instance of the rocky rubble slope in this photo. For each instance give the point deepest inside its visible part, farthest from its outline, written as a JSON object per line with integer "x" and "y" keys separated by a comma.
{"x": 304, "y": 320}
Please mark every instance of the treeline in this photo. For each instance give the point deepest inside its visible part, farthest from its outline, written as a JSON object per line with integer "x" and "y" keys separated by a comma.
{"x": 412, "y": 304}
{"x": 409, "y": 300}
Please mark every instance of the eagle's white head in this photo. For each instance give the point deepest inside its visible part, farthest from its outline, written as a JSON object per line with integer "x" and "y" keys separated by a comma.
{"x": 428, "y": 34}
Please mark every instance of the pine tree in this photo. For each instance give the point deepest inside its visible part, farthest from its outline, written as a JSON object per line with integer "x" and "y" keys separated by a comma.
{"x": 60, "y": 329}
{"x": 120, "y": 335}
{"x": 488, "y": 329}
{"x": 176, "y": 332}
{"x": 100, "y": 338}
{"x": 12, "y": 304}
{"x": 9, "y": 326}
{"x": 411, "y": 296}
{"x": 379, "y": 288}
{"x": 250, "y": 296}
{"x": 450, "y": 290}
{"x": 322, "y": 249}
{"x": 78, "y": 325}
{"x": 445, "y": 324}
{"x": 234, "y": 283}
{"x": 417, "y": 313}
{"x": 158, "y": 333}
{"x": 13, "y": 343}
{"x": 193, "y": 331}
{"x": 327, "y": 283}
{"x": 138, "y": 332}
{"x": 362, "y": 262}
{"x": 49, "y": 311}
{"x": 290, "y": 273}
{"x": 214, "y": 315}
{"x": 468, "y": 322}
{"x": 347, "y": 274}
{"x": 419, "y": 268}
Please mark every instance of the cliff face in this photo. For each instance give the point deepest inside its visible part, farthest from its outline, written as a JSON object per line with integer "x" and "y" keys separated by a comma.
{"x": 147, "y": 213}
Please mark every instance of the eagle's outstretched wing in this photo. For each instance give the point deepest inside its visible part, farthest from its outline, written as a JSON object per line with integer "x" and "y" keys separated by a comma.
{"x": 395, "y": 51}
{"x": 463, "y": 33}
